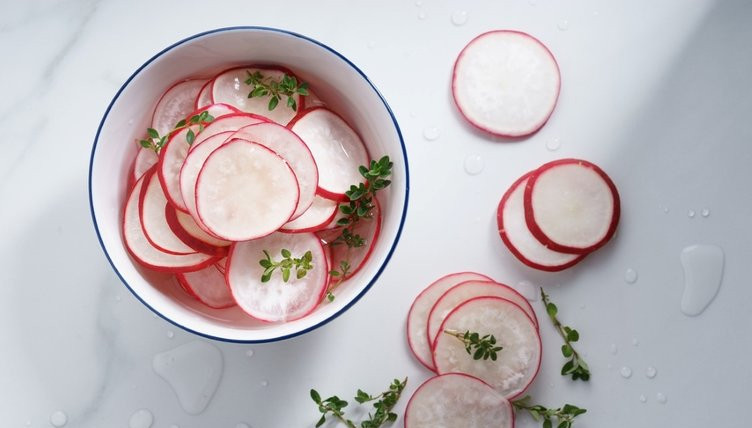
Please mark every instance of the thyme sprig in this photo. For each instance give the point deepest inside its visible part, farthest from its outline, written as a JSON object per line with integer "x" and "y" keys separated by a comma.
{"x": 288, "y": 263}
{"x": 575, "y": 365}
{"x": 564, "y": 415}
{"x": 155, "y": 142}
{"x": 480, "y": 347}
{"x": 288, "y": 86}
{"x": 383, "y": 405}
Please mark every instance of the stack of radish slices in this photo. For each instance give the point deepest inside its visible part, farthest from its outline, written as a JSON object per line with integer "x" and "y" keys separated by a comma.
{"x": 458, "y": 303}
{"x": 207, "y": 203}
{"x": 551, "y": 218}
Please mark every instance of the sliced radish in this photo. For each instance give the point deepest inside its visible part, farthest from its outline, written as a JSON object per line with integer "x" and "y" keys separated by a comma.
{"x": 171, "y": 159}
{"x": 204, "y": 97}
{"x": 276, "y": 300}
{"x": 188, "y": 223}
{"x": 216, "y": 110}
{"x": 230, "y": 87}
{"x": 145, "y": 253}
{"x": 312, "y": 100}
{"x": 222, "y": 265}
{"x": 315, "y": 218}
{"x": 457, "y": 400}
{"x": 417, "y": 318}
{"x": 192, "y": 165}
{"x": 337, "y": 149}
{"x": 230, "y": 122}
{"x": 518, "y": 238}
{"x": 368, "y": 229}
{"x": 152, "y": 203}
{"x": 176, "y": 103}
{"x": 571, "y": 206}
{"x": 288, "y": 145}
{"x": 197, "y": 244}
{"x": 465, "y": 291}
{"x": 517, "y": 363}
{"x": 506, "y": 83}
{"x": 208, "y": 286}
{"x": 245, "y": 191}
{"x": 145, "y": 159}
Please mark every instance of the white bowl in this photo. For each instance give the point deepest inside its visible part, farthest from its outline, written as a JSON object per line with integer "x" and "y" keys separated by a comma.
{"x": 335, "y": 79}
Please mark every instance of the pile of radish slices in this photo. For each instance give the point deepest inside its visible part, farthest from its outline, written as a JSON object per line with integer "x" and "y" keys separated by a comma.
{"x": 471, "y": 392}
{"x": 552, "y": 217}
{"x": 220, "y": 191}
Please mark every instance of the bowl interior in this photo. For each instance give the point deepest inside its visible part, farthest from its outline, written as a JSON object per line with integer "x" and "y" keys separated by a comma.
{"x": 338, "y": 82}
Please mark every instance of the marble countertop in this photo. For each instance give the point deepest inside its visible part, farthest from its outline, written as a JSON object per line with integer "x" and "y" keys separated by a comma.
{"x": 657, "y": 94}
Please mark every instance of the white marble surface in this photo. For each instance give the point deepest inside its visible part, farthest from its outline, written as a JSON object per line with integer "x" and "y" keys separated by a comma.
{"x": 658, "y": 94}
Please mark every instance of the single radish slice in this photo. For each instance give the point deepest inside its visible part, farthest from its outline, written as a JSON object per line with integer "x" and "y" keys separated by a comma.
{"x": 222, "y": 265}
{"x": 245, "y": 191}
{"x": 145, "y": 253}
{"x": 290, "y": 147}
{"x": 356, "y": 257}
{"x": 465, "y": 291}
{"x": 208, "y": 286}
{"x": 336, "y": 148}
{"x": 176, "y": 103}
{"x": 192, "y": 165}
{"x": 230, "y": 87}
{"x": 456, "y": 400}
{"x": 230, "y": 122}
{"x": 571, "y": 206}
{"x": 315, "y": 218}
{"x": 506, "y": 83}
{"x": 171, "y": 159}
{"x": 145, "y": 159}
{"x": 197, "y": 244}
{"x": 204, "y": 98}
{"x": 517, "y": 363}
{"x": 510, "y": 218}
{"x": 417, "y": 318}
{"x": 216, "y": 110}
{"x": 277, "y": 300}
{"x": 152, "y": 203}
{"x": 188, "y": 223}
{"x": 312, "y": 100}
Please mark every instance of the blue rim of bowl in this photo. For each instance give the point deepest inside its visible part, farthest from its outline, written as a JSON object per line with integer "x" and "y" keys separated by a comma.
{"x": 404, "y": 158}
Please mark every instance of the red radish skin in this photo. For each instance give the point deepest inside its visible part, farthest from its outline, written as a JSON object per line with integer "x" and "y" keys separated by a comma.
{"x": 151, "y": 205}
{"x": 196, "y": 244}
{"x": 459, "y": 86}
{"x": 204, "y": 98}
{"x": 417, "y": 317}
{"x": 458, "y": 400}
{"x": 534, "y": 253}
{"x": 245, "y": 191}
{"x": 449, "y": 354}
{"x": 208, "y": 286}
{"x": 540, "y": 234}
{"x": 176, "y": 102}
{"x": 229, "y": 122}
{"x": 369, "y": 229}
{"x": 190, "y": 226}
{"x": 317, "y": 217}
{"x": 464, "y": 291}
{"x": 146, "y": 254}
{"x": 145, "y": 159}
{"x": 171, "y": 159}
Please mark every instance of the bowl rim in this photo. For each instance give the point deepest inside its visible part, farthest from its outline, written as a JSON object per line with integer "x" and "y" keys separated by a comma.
{"x": 390, "y": 251}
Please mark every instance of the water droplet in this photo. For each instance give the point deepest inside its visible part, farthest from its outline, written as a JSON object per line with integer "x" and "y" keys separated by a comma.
{"x": 666, "y": 210}
{"x": 193, "y": 371}
{"x": 614, "y": 349}
{"x": 651, "y": 372}
{"x": 661, "y": 398}
{"x": 418, "y": 3}
{"x": 459, "y": 17}
{"x": 625, "y": 372}
{"x": 170, "y": 334}
{"x": 431, "y": 133}
{"x": 141, "y": 419}
{"x": 371, "y": 44}
{"x": 130, "y": 121}
{"x": 703, "y": 274}
{"x": 691, "y": 213}
{"x": 596, "y": 13}
{"x": 531, "y": 2}
{"x": 174, "y": 426}
{"x": 553, "y": 144}
{"x": 583, "y": 306}
{"x": 635, "y": 342}
{"x": 705, "y": 212}
{"x": 28, "y": 423}
{"x": 118, "y": 298}
{"x": 630, "y": 276}
{"x": 242, "y": 425}
{"x": 563, "y": 25}
{"x": 58, "y": 419}
{"x": 264, "y": 383}
{"x": 609, "y": 366}
{"x": 249, "y": 353}
{"x": 643, "y": 399}
{"x": 474, "y": 164}
{"x": 421, "y": 15}
{"x": 528, "y": 290}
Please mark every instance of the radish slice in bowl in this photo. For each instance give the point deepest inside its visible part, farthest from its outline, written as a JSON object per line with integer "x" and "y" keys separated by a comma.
{"x": 145, "y": 159}
{"x": 152, "y": 203}
{"x": 315, "y": 218}
{"x": 506, "y": 83}
{"x": 571, "y": 206}
{"x": 204, "y": 97}
{"x": 230, "y": 87}
{"x": 457, "y": 400}
{"x": 176, "y": 103}
{"x": 208, "y": 286}
{"x": 519, "y": 360}
{"x": 277, "y": 300}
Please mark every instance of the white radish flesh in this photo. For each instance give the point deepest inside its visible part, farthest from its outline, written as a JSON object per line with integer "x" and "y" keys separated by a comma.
{"x": 336, "y": 148}
{"x": 145, "y": 159}
{"x": 230, "y": 122}
{"x": 277, "y": 300}
{"x": 465, "y": 291}
{"x": 245, "y": 191}
{"x": 571, "y": 205}
{"x": 517, "y": 363}
{"x": 176, "y": 103}
{"x": 230, "y": 87}
{"x": 457, "y": 400}
{"x": 197, "y": 243}
{"x": 417, "y": 318}
{"x": 506, "y": 83}
{"x": 171, "y": 159}
{"x": 154, "y": 222}
{"x": 204, "y": 97}
{"x": 208, "y": 286}
{"x": 188, "y": 223}
{"x": 518, "y": 238}
{"x": 291, "y": 148}
{"x": 191, "y": 168}
{"x": 315, "y": 218}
